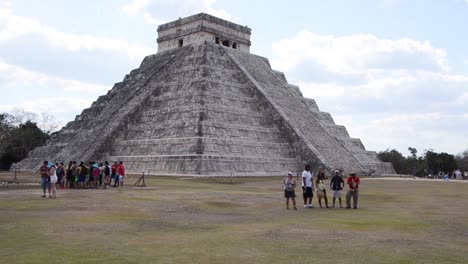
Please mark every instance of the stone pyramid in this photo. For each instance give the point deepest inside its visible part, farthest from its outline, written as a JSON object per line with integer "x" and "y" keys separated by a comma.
{"x": 204, "y": 106}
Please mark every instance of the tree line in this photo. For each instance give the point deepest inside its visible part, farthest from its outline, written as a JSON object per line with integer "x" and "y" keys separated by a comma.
{"x": 21, "y": 132}
{"x": 430, "y": 162}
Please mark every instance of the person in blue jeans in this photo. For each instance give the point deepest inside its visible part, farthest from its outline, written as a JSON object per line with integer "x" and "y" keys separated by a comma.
{"x": 45, "y": 178}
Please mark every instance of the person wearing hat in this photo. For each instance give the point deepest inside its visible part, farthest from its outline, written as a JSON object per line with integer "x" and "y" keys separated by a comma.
{"x": 337, "y": 185}
{"x": 289, "y": 185}
{"x": 353, "y": 192}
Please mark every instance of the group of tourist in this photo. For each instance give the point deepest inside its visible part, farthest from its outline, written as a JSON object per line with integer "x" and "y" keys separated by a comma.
{"x": 309, "y": 187}
{"x": 82, "y": 176}
{"x": 456, "y": 174}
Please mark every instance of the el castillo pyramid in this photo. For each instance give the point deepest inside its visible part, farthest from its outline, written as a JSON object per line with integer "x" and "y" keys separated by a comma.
{"x": 205, "y": 106}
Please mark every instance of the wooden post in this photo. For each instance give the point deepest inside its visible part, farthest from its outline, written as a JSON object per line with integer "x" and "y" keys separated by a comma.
{"x": 15, "y": 166}
{"x": 141, "y": 179}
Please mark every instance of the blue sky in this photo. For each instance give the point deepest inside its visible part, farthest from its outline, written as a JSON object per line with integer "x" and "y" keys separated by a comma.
{"x": 394, "y": 72}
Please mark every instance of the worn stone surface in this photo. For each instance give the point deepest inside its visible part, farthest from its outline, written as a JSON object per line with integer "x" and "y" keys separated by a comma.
{"x": 207, "y": 109}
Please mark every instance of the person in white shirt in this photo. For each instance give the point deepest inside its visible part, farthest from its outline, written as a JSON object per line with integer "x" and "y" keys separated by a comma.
{"x": 307, "y": 187}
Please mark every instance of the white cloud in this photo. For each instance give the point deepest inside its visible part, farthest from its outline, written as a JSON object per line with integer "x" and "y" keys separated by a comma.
{"x": 356, "y": 53}
{"x": 59, "y": 97}
{"x": 60, "y": 106}
{"x": 390, "y": 93}
{"x": 135, "y": 7}
{"x": 430, "y": 130}
{"x": 149, "y": 8}
{"x": 15, "y": 76}
{"x": 13, "y": 26}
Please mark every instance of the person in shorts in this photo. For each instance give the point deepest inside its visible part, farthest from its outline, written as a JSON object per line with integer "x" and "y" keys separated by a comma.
{"x": 289, "y": 185}
{"x": 307, "y": 187}
{"x": 337, "y": 185}
{"x": 321, "y": 191}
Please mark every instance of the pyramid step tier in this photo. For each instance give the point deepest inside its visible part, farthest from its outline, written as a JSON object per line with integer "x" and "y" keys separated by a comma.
{"x": 207, "y": 165}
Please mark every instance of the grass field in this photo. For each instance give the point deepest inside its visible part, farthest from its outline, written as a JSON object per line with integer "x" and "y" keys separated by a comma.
{"x": 238, "y": 220}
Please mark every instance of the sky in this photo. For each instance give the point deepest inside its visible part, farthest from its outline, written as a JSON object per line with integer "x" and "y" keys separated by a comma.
{"x": 394, "y": 72}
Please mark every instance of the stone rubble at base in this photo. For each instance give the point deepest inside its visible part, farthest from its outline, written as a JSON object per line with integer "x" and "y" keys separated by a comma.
{"x": 204, "y": 106}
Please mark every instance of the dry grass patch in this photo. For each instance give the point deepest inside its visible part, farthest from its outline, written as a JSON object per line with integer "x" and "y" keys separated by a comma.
{"x": 211, "y": 220}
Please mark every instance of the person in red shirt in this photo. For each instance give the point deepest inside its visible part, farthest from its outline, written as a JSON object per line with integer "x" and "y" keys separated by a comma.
{"x": 114, "y": 174}
{"x": 353, "y": 192}
{"x": 44, "y": 172}
{"x": 121, "y": 173}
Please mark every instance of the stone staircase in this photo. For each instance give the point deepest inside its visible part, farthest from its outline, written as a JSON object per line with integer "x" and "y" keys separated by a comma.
{"x": 88, "y": 137}
{"x": 206, "y": 123}
{"x": 295, "y": 112}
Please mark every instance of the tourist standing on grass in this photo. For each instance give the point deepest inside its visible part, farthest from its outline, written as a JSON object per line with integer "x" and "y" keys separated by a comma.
{"x": 75, "y": 174}
{"x": 337, "y": 185}
{"x": 90, "y": 181}
{"x": 307, "y": 187}
{"x": 121, "y": 170}
{"x": 353, "y": 192}
{"x": 96, "y": 172}
{"x": 101, "y": 173}
{"x": 53, "y": 180}
{"x": 68, "y": 175}
{"x": 60, "y": 171}
{"x": 107, "y": 173}
{"x": 81, "y": 172}
{"x": 44, "y": 172}
{"x": 289, "y": 193}
{"x": 114, "y": 174}
{"x": 321, "y": 191}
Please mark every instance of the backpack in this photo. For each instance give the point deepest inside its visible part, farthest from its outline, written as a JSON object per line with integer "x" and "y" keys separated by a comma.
{"x": 84, "y": 170}
{"x": 107, "y": 170}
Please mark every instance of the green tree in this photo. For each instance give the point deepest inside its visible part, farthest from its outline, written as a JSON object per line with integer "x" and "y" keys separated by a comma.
{"x": 462, "y": 160}
{"x": 439, "y": 162}
{"x": 17, "y": 140}
{"x": 394, "y": 157}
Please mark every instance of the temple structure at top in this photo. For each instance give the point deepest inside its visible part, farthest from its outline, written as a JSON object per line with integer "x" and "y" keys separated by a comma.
{"x": 201, "y": 28}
